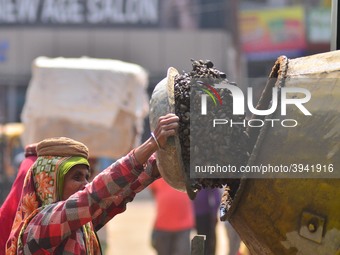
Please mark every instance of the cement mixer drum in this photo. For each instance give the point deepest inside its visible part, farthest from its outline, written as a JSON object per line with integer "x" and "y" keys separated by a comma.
{"x": 290, "y": 213}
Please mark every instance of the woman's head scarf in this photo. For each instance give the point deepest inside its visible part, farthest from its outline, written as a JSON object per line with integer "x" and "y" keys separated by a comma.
{"x": 43, "y": 186}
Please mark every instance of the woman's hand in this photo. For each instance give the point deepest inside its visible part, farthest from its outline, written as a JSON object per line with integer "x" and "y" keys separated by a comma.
{"x": 166, "y": 126}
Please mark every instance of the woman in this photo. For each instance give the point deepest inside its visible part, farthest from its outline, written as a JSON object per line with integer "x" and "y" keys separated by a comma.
{"x": 174, "y": 220}
{"x": 60, "y": 211}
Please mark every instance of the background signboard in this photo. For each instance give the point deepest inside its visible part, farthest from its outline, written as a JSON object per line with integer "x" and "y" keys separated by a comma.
{"x": 185, "y": 14}
{"x": 76, "y": 12}
{"x": 4, "y": 46}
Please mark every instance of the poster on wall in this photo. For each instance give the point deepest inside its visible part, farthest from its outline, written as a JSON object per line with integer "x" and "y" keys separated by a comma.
{"x": 271, "y": 30}
{"x": 178, "y": 14}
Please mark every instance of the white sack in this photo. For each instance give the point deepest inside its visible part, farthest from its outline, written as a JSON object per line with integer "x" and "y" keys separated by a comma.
{"x": 99, "y": 102}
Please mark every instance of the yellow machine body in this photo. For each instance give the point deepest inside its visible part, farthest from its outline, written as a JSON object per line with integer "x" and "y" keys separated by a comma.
{"x": 296, "y": 214}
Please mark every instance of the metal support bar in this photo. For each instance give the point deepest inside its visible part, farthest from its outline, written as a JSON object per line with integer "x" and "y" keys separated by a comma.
{"x": 197, "y": 245}
{"x": 335, "y": 37}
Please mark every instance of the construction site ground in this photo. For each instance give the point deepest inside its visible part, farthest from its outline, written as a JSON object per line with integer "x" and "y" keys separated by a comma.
{"x": 129, "y": 233}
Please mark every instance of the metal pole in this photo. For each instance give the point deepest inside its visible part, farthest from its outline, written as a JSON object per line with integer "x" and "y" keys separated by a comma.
{"x": 197, "y": 245}
{"x": 335, "y": 38}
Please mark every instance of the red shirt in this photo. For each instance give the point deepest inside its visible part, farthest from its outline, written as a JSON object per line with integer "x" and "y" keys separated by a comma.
{"x": 174, "y": 208}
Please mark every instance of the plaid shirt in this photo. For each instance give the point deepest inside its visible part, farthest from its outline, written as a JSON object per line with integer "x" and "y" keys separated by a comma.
{"x": 57, "y": 229}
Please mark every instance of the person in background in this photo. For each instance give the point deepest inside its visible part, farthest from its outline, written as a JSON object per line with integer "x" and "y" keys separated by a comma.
{"x": 9, "y": 207}
{"x": 59, "y": 211}
{"x": 206, "y": 205}
{"x": 174, "y": 220}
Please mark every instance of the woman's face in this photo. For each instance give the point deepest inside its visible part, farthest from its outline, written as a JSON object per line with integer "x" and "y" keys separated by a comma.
{"x": 75, "y": 180}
